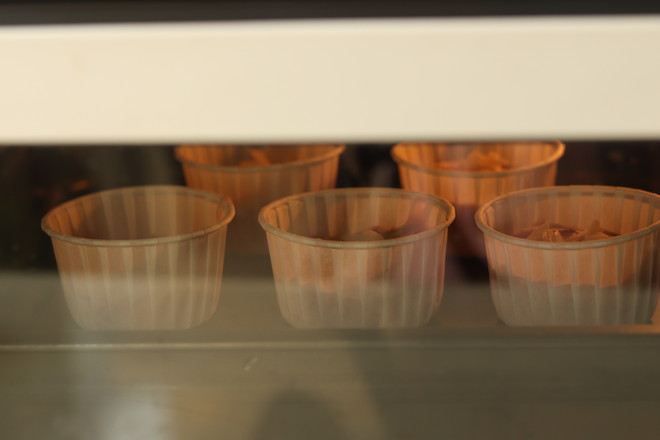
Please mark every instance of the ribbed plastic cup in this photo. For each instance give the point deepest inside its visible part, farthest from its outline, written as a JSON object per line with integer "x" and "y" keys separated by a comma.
{"x": 141, "y": 258}
{"x": 610, "y": 281}
{"x": 324, "y": 281}
{"x": 233, "y": 171}
{"x": 532, "y": 164}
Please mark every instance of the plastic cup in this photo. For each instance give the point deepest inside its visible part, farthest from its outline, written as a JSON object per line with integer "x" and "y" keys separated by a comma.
{"x": 532, "y": 164}
{"x": 609, "y": 281}
{"x": 141, "y": 258}
{"x": 329, "y": 275}
{"x": 253, "y": 176}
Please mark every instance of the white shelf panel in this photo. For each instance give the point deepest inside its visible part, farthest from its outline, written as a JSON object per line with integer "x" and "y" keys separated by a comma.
{"x": 348, "y": 80}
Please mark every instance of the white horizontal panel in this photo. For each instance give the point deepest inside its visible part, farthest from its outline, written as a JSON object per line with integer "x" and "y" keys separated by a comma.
{"x": 332, "y": 80}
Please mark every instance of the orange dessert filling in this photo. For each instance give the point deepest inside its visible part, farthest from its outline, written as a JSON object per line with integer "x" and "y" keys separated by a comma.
{"x": 554, "y": 232}
{"x": 476, "y": 161}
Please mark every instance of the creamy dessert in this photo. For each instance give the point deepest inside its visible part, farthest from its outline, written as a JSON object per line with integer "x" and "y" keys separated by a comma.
{"x": 254, "y": 158}
{"x": 554, "y": 232}
{"x": 380, "y": 232}
{"x": 476, "y": 161}
{"x": 413, "y": 225}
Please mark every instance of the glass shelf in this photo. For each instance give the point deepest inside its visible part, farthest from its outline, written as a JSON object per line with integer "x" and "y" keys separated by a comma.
{"x": 34, "y": 316}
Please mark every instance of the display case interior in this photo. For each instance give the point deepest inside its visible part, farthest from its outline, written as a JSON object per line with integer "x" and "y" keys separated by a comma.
{"x": 97, "y": 96}
{"x": 37, "y": 179}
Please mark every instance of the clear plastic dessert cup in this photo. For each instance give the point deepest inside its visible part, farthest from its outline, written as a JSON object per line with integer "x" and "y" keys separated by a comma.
{"x": 252, "y": 176}
{"x": 601, "y": 281}
{"x": 471, "y": 174}
{"x": 141, "y": 258}
{"x": 359, "y": 257}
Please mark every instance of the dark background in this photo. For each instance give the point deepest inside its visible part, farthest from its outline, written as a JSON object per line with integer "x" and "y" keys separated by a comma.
{"x": 36, "y": 179}
{"x": 85, "y": 11}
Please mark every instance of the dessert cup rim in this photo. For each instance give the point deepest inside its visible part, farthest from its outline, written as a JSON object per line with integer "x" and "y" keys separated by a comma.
{"x": 553, "y": 158}
{"x": 479, "y": 217}
{"x": 333, "y": 152}
{"x": 221, "y": 201}
{"x": 338, "y": 244}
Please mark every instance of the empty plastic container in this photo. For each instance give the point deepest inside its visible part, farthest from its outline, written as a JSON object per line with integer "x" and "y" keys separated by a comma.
{"x": 139, "y": 258}
{"x": 359, "y": 257}
{"x": 606, "y": 281}
{"x": 471, "y": 174}
{"x": 253, "y": 176}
